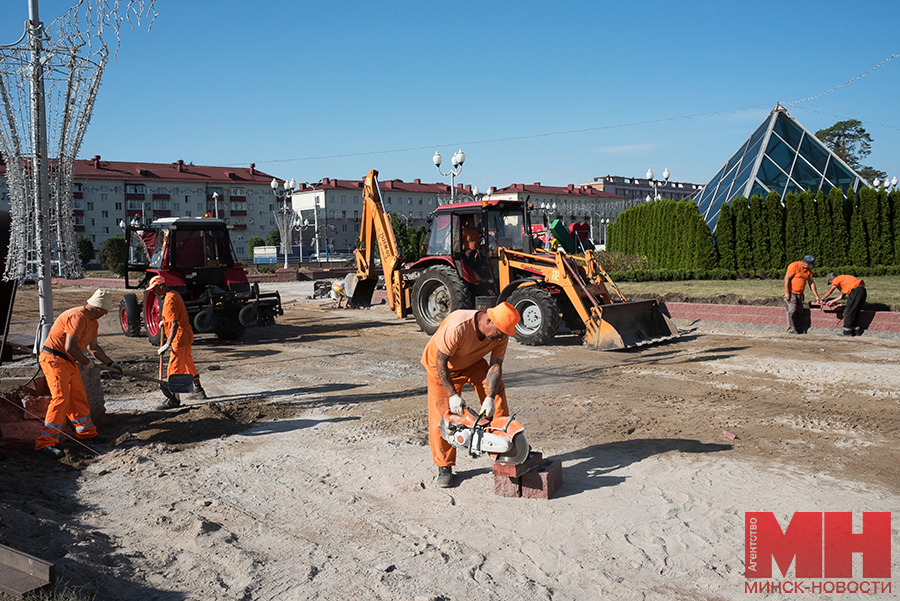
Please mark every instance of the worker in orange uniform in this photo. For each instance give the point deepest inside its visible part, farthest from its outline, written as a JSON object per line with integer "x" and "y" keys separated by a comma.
{"x": 795, "y": 280}
{"x": 176, "y": 327}
{"x": 73, "y": 331}
{"x": 455, "y": 356}
{"x": 855, "y": 291}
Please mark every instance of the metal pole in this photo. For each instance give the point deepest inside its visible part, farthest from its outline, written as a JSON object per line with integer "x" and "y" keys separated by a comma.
{"x": 316, "y": 225}
{"x": 39, "y": 179}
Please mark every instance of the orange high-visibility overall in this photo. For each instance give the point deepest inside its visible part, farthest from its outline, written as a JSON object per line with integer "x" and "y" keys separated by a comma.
{"x": 458, "y": 338}
{"x": 174, "y": 311}
{"x": 68, "y": 396}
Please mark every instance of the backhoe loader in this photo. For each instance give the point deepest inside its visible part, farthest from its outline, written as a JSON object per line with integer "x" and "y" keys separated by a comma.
{"x": 545, "y": 287}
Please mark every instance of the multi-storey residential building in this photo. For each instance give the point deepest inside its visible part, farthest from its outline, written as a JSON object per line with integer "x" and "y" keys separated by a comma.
{"x": 333, "y": 208}
{"x": 108, "y": 192}
{"x": 636, "y": 190}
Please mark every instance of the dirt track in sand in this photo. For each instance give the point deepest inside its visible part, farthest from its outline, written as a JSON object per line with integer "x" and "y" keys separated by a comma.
{"x": 307, "y": 475}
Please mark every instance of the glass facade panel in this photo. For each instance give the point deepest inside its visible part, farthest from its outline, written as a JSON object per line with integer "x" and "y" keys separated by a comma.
{"x": 758, "y": 190}
{"x": 771, "y": 176}
{"x": 704, "y": 199}
{"x": 779, "y": 152}
{"x": 839, "y": 175}
{"x": 791, "y": 187}
{"x": 815, "y": 152}
{"x": 740, "y": 183}
{"x": 805, "y": 175}
{"x": 788, "y": 130}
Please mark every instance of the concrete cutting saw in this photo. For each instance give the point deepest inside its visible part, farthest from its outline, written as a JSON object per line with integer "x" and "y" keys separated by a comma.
{"x": 503, "y": 438}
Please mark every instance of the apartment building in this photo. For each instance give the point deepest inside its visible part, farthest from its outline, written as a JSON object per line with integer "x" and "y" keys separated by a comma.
{"x": 106, "y": 193}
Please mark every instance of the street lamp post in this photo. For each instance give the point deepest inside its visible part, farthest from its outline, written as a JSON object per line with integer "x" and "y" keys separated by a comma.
{"x": 216, "y": 202}
{"x": 656, "y": 183}
{"x": 885, "y": 185}
{"x": 459, "y": 157}
{"x": 286, "y": 219}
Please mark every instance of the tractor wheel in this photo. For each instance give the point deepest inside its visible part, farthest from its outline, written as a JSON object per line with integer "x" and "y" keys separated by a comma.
{"x": 205, "y": 321}
{"x": 249, "y": 315}
{"x": 153, "y": 317}
{"x": 228, "y": 326}
{"x": 438, "y": 292}
{"x": 539, "y": 315}
{"x": 130, "y": 316}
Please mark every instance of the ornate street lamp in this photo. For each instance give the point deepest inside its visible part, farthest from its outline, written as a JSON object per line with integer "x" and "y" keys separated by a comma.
{"x": 459, "y": 157}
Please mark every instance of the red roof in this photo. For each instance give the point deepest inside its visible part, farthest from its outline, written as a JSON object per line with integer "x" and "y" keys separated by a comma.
{"x": 416, "y": 186}
{"x": 178, "y": 171}
{"x": 570, "y": 190}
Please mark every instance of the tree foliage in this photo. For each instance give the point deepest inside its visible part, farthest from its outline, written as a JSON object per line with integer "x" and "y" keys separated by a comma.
{"x": 85, "y": 249}
{"x": 852, "y": 143}
{"x": 273, "y": 238}
{"x": 114, "y": 254}
{"x": 253, "y": 243}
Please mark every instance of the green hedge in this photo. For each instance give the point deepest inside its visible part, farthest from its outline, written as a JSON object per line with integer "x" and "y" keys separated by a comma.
{"x": 677, "y": 275}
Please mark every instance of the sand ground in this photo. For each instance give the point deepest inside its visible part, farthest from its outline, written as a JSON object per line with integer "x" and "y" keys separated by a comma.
{"x": 307, "y": 474}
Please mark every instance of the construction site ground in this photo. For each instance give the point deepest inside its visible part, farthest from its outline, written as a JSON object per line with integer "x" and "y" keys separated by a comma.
{"x": 307, "y": 474}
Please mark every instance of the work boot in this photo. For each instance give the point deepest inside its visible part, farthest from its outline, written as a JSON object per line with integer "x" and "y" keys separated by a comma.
{"x": 793, "y": 331}
{"x": 50, "y": 453}
{"x": 445, "y": 476}
{"x": 847, "y": 332}
{"x": 169, "y": 404}
{"x": 199, "y": 393}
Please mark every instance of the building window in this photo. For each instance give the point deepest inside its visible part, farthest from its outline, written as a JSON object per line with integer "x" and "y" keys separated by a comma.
{"x": 356, "y": 200}
{"x": 104, "y": 198}
{"x": 118, "y": 206}
{"x": 409, "y": 201}
{"x": 90, "y": 206}
{"x": 343, "y": 199}
{"x": 92, "y": 222}
{"x": 187, "y": 213}
{"x": 343, "y": 214}
{"x": 174, "y": 206}
{"x": 355, "y": 227}
{"x": 93, "y": 237}
{"x": 187, "y": 200}
{"x": 104, "y": 214}
{"x": 356, "y": 214}
{"x": 117, "y": 189}
{"x": 200, "y": 206}
{"x": 136, "y": 189}
{"x": 344, "y": 228}
{"x": 420, "y": 201}
{"x": 79, "y": 219}
{"x": 105, "y": 229}
{"x": 389, "y": 200}
{"x": 77, "y": 203}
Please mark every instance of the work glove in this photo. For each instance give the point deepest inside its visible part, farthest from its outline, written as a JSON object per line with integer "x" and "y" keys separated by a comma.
{"x": 457, "y": 404}
{"x": 162, "y": 350}
{"x": 487, "y": 407}
{"x": 116, "y": 372}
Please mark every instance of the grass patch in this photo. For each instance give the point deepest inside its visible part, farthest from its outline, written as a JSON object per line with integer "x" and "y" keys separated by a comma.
{"x": 882, "y": 290}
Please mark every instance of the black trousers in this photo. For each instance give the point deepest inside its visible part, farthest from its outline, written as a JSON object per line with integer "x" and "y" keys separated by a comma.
{"x": 855, "y": 301}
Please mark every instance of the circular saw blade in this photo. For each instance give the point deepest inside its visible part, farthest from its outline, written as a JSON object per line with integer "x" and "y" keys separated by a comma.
{"x": 519, "y": 451}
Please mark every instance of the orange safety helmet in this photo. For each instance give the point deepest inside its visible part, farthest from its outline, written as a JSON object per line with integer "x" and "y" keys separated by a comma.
{"x": 504, "y": 317}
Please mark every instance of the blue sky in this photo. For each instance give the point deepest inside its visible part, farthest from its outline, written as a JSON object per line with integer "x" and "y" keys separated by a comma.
{"x": 556, "y": 93}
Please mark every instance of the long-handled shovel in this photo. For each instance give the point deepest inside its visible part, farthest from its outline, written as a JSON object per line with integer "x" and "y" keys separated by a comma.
{"x": 176, "y": 384}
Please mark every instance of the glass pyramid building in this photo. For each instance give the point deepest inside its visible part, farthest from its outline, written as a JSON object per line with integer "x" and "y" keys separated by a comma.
{"x": 781, "y": 155}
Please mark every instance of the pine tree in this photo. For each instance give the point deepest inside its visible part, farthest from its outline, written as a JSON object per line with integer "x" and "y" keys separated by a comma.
{"x": 760, "y": 240}
{"x": 775, "y": 230}
{"x": 704, "y": 250}
{"x": 868, "y": 209}
{"x": 839, "y": 229}
{"x": 725, "y": 238}
{"x": 895, "y": 233}
{"x": 793, "y": 228}
{"x": 885, "y": 246}
{"x": 743, "y": 235}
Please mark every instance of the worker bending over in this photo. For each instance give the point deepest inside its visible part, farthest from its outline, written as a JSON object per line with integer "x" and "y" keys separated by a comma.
{"x": 855, "y": 291}
{"x": 455, "y": 356}
{"x": 73, "y": 331}
{"x": 799, "y": 273}
{"x": 176, "y": 327}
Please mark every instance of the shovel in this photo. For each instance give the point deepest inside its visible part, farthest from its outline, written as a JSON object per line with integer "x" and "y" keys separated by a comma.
{"x": 177, "y": 383}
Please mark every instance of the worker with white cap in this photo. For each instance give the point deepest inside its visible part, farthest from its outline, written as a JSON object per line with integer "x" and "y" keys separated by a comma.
{"x": 178, "y": 337}
{"x": 73, "y": 331}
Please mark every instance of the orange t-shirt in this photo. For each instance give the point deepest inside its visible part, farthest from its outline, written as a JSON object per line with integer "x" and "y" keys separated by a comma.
{"x": 458, "y": 338}
{"x": 471, "y": 237}
{"x": 75, "y": 322}
{"x": 175, "y": 311}
{"x": 846, "y": 283}
{"x": 801, "y": 275}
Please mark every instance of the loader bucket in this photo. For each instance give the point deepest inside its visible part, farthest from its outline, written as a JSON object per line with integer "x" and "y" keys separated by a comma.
{"x": 359, "y": 291}
{"x": 627, "y": 324}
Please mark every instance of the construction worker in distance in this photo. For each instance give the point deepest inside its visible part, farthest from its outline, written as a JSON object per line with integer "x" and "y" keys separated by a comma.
{"x": 73, "y": 331}
{"x": 455, "y": 356}
{"x": 179, "y": 336}
{"x": 339, "y": 294}
{"x": 795, "y": 280}
{"x": 855, "y": 290}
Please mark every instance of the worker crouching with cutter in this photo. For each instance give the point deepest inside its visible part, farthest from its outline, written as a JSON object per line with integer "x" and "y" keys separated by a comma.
{"x": 73, "y": 331}
{"x": 455, "y": 356}
{"x": 178, "y": 338}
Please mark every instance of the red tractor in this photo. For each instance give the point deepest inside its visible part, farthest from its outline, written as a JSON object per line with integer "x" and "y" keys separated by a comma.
{"x": 195, "y": 257}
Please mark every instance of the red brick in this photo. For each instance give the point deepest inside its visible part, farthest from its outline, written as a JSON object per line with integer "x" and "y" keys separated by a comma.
{"x": 515, "y": 470}
{"x": 36, "y": 407}
{"x": 543, "y": 483}
{"x": 504, "y": 486}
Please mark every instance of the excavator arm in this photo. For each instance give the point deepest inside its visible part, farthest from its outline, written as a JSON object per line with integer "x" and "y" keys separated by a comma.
{"x": 376, "y": 230}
